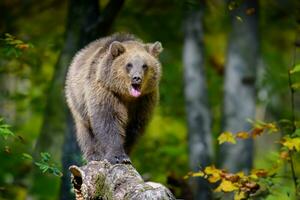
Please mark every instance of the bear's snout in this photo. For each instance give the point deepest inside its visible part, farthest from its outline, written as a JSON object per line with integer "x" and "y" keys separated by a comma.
{"x": 136, "y": 80}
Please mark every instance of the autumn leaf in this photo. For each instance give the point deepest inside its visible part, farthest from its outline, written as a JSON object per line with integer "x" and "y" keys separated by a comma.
{"x": 241, "y": 174}
{"x": 257, "y": 132}
{"x": 292, "y": 143}
{"x": 250, "y": 11}
{"x": 242, "y": 135}
{"x": 226, "y": 186}
{"x": 260, "y": 172}
{"x": 231, "y": 177}
{"x": 272, "y": 127}
{"x": 226, "y": 137}
{"x": 284, "y": 155}
{"x": 22, "y": 46}
{"x": 213, "y": 174}
{"x": 211, "y": 170}
{"x": 198, "y": 174}
{"x": 239, "y": 196}
{"x": 250, "y": 186}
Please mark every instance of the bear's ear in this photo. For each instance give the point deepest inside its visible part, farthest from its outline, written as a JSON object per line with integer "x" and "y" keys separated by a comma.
{"x": 154, "y": 49}
{"x": 116, "y": 49}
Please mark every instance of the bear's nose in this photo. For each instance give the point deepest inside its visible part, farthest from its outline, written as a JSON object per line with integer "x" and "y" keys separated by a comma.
{"x": 136, "y": 80}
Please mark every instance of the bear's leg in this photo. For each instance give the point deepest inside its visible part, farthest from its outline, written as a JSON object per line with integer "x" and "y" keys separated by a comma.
{"x": 109, "y": 143}
{"x": 108, "y": 130}
{"x": 85, "y": 140}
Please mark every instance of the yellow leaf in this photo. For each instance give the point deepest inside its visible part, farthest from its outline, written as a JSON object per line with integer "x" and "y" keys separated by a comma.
{"x": 239, "y": 196}
{"x": 292, "y": 143}
{"x": 226, "y": 137}
{"x": 242, "y": 135}
{"x": 253, "y": 176}
{"x": 226, "y": 186}
{"x": 272, "y": 127}
{"x": 200, "y": 174}
{"x": 241, "y": 174}
{"x": 214, "y": 178}
{"x": 214, "y": 174}
{"x": 211, "y": 170}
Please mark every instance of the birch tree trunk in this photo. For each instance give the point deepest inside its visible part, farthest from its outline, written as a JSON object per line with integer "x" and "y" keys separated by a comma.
{"x": 239, "y": 91}
{"x": 84, "y": 24}
{"x": 197, "y": 109}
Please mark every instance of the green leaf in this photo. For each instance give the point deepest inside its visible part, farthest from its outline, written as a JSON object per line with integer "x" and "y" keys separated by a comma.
{"x": 45, "y": 168}
{"x": 26, "y": 156}
{"x": 42, "y": 166}
{"x": 295, "y": 69}
{"x": 296, "y": 86}
{"x": 5, "y": 132}
{"x": 297, "y": 132}
{"x": 45, "y": 156}
{"x": 232, "y": 5}
{"x": 239, "y": 18}
{"x": 55, "y": 171}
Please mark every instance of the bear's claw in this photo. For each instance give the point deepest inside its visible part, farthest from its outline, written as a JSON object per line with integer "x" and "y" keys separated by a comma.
{"x": 119, "y": 159}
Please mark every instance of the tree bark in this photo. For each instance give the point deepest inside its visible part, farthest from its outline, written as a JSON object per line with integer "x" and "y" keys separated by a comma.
{"x": 84, "y": 24}
{"x": 101, "y": 180}
{"x": 240, "y": 76}
{"x": 71, "y": 156}
{"x": 197, "y": 108}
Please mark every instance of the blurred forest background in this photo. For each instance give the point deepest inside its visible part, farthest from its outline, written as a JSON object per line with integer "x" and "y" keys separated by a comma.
{"x": 223, "y": 62}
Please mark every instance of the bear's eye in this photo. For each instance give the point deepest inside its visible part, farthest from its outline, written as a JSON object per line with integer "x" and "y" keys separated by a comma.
{"x": 128, "y": 66}
{"x": 145, "y": 66}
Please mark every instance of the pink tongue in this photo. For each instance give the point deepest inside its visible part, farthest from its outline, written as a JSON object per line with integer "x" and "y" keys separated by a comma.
{"x": 135, "y": 92}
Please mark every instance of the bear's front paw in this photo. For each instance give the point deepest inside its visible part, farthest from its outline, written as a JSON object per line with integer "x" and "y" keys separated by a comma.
{"x": 118, "y": 159}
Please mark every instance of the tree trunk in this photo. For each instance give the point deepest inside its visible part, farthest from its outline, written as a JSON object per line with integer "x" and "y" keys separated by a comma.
{"x": 101, "y": 180}
{"x": 240, "y": 96}
{"x": 84, "y": 24}
{"x": 197, "y": 108}
{"x": 71, "y": 156}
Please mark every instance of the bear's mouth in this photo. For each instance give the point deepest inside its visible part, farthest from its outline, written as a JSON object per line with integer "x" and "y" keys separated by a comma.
{"x": 135, "y": 90}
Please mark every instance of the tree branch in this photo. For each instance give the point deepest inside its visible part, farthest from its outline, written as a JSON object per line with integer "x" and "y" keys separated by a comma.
{"x": 103, "y": 23}
{"x": 101, "y": 180}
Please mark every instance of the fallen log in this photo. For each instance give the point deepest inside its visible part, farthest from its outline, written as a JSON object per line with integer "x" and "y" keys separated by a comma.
{"x": 101, "y": 180}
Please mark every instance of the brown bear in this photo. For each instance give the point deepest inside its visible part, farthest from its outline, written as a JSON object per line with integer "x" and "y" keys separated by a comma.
{"x": 111, "y": 89}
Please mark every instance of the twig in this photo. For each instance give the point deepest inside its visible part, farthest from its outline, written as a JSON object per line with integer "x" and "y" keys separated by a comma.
{"x": 292, "y": 91}
{"x": 293, "y": 171}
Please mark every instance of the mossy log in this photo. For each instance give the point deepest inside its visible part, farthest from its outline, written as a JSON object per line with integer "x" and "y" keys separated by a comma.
{"x": 101, "y": 180}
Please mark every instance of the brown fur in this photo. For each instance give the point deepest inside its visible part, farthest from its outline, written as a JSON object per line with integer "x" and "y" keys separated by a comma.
{"x": 108, "y": 115}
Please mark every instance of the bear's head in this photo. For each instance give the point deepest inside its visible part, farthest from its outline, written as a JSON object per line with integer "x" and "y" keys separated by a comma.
{"x": 131, "y": 68}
